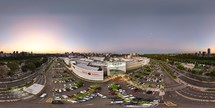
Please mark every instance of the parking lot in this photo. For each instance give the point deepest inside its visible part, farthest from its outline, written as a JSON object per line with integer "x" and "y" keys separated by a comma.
{"x": 63, "y": 87}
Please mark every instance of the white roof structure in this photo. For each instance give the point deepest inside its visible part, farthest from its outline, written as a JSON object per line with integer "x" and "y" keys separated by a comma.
{"x": 87, "y": 67}
{"x": 98, "y": 58}
{"x": 34, "y": 89}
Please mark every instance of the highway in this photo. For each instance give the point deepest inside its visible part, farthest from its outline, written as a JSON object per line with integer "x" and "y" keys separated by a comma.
{"x": 190, "y": 75}
{"x": 19, "y": 82}
{"x": 193, "y": 93}
{"x": 171, "y": 87}
{"x": 189, "y": 78}
{"x": 197, "y": 83}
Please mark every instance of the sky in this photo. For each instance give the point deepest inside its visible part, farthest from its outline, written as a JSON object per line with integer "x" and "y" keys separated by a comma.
{"x": 115, "y": 26}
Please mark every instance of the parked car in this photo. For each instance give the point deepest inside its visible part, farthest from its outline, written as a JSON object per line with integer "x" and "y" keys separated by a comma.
{"x": 65, "y": 96}
{"x": 57, "y": 102}
{"x": 43, "y": 95}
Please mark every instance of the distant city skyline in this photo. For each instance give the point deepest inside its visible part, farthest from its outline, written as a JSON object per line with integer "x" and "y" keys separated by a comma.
{"x": 115, "y": 26}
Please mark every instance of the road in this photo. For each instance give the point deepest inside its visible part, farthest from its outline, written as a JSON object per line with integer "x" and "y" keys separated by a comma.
{"x": 171, "y": 86}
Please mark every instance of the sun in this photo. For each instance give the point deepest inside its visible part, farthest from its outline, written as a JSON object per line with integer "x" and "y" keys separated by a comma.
{"x": 37, "y": 41}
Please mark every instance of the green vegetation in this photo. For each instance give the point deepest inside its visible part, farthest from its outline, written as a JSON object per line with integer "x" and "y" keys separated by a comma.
{"x": 49, "y": 65}
{"x": 79, "y": 83}
{"x": 211, "y": 74}
{"x": 13, "y": 68}
{"x": 143, "y": 102}
{"x": 147, "y": 73}
{"x": 168, "y": 71}
{"x": 28, "y": 66}
{"x": 66, "y": 72}
{"x": 186, "y": 58}
{"x": 32, "y": 64}
{"x": 197, "y": 69}
{"x": 91, "y": 90}
{"x": 114, "y": 87}
{"x": 210, "y": 90}
{"x": 3, "y": 71}
{"x": 9, "y": 66}
{"x": 147, "y": 70}
{"x": 180, "y": 66}
{"x": 94, "y": 86}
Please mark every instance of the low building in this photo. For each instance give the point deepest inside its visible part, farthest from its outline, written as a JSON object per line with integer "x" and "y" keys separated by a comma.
{"x": 88, "y": 72}
{"x": 95, "y": 68}
{"x": 188, "y": 65}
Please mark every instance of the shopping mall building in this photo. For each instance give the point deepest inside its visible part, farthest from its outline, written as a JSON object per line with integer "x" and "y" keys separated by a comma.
{"x": 95, "y": 68}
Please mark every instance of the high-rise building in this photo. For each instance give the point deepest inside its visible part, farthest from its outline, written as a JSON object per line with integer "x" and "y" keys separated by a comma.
{"x": 209, "y": 52}
{"x": 1, "y": 53}
{"x": 203, "y": 53}
{"x": 200, "y": 53}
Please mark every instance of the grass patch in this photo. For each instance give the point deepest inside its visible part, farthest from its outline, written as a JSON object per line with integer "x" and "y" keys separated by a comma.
{"x": 210, "y": 89}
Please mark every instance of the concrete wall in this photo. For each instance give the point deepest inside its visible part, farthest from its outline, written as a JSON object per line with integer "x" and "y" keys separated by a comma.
{"x": 88, "y": 74}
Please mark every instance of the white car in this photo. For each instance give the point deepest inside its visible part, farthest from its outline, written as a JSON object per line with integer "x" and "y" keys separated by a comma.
{"x": 87, "y": 98}
{"x": 59, "y": 90}
{"x": 116, "y": 102}
{"x": 104, "y": 96}
{"x": 43, "y": 95}
{"x": 132, "y": 97}
{"x": 71, "y": 88}
{"x": 65, "y": 96}
{"x": 57, "y": 98}
{"x": 84, "y": 91}
{"x": 64, "y": 89}
{"x": 72, "y": 101}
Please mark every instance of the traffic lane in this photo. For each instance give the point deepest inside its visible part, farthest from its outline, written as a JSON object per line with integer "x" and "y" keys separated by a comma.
{"x": 194, "y": 82}
{"x": 21, "y": 82}
{"x": 201, "y": 92}
{"x": 97, "y": 103}
{"x": 40, "y": 79}
{"x": 188, "y": 74}
{"x": 13, "y": 95}
{"x": 168, "y": 81}
{"x": 197, "y": 83}
{"x": 197, "y": 94}
{"x": 183, "y": 102}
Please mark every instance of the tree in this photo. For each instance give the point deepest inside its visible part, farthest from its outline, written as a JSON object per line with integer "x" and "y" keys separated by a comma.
{"x": 24, "y": 68}
{"x": 3, "y": 71}
{"x": 2, "y": 63}
{"x": 30, "y": 66}
{"x": 13, "y": 66}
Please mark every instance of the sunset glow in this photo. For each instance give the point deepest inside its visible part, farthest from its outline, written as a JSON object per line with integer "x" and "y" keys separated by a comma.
{"x": 95, "y": 28}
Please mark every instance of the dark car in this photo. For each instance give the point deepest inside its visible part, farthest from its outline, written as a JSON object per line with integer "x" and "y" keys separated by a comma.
{"x": 67, "y": 89}
{"x": 149, "y": 92}
{"x": 57, "y": 102}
